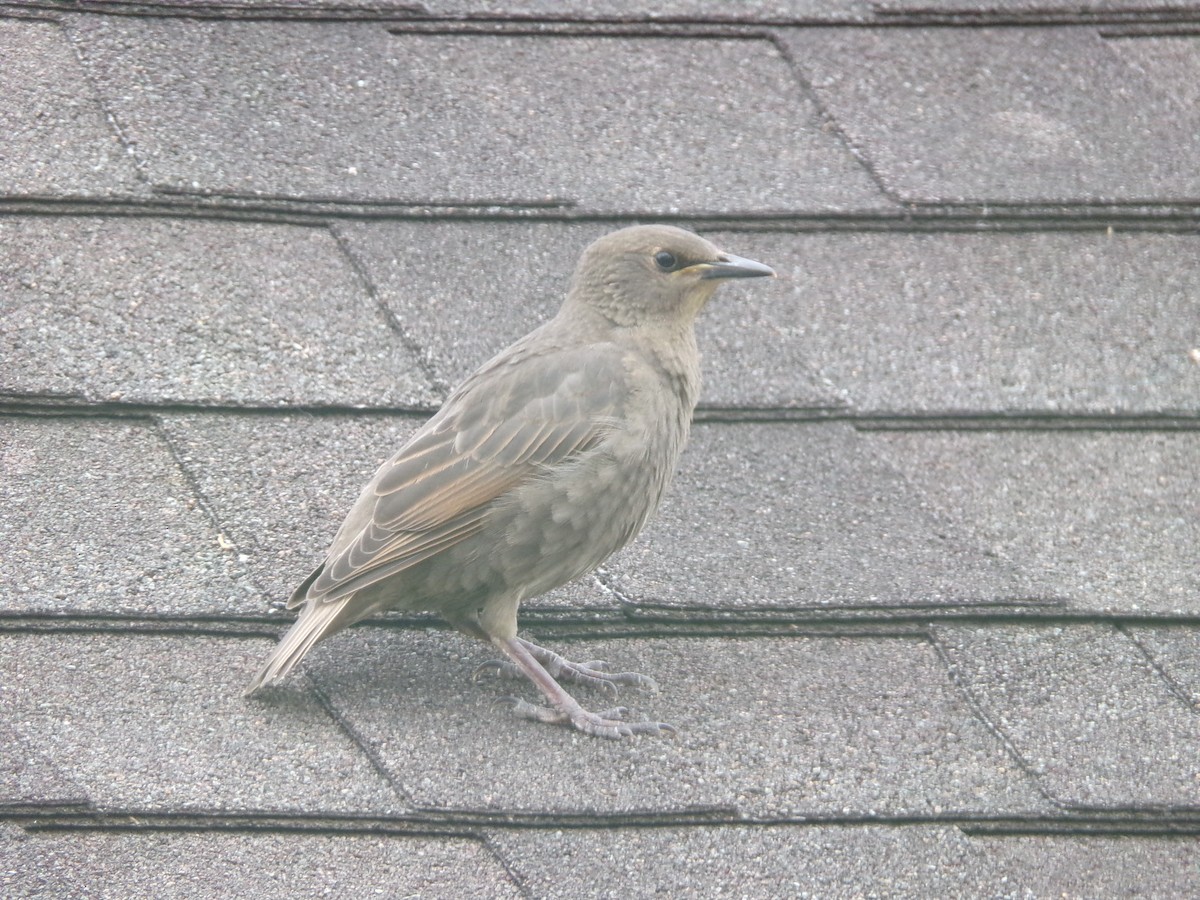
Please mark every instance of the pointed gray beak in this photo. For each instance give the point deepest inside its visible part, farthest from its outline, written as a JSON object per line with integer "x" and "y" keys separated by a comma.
{"x": 730, "y": 266}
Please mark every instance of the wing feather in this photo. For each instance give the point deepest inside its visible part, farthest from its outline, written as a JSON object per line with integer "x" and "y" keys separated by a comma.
{"x": 492, "y": 435}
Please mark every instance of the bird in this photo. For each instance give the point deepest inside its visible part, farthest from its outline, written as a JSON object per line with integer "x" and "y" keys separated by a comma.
{"x": 541, "y": 464}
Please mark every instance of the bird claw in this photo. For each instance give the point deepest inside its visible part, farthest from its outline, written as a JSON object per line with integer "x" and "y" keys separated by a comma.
{"x": 496, "y": 667}
{"x": 606, "y": 724}
{"x": 593, "y": 672}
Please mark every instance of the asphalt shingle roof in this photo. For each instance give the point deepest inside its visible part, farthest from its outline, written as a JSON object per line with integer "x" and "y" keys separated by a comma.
{"x": 1010, "y": 115}
{"x": 924, "y": 602}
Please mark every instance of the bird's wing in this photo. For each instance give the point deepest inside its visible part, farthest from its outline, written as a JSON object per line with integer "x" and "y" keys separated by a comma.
{"x": 504, "y": 426}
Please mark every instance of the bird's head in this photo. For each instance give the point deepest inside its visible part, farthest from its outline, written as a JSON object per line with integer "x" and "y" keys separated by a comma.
{"x": 654, "y": 274}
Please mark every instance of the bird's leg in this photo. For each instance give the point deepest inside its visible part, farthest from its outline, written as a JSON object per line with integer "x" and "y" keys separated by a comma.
{"x": 591, "y": 672}
{"x": 565, "y": 709}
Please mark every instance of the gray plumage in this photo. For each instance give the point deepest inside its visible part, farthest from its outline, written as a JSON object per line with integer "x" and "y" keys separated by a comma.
{"x": 539, "y": 466}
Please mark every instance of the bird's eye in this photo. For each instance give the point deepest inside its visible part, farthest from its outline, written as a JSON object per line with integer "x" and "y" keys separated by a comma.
{"x": 665, "y": 260}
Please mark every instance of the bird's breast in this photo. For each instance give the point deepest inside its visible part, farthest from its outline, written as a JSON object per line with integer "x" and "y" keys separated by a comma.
{"x": 572, "y": 516}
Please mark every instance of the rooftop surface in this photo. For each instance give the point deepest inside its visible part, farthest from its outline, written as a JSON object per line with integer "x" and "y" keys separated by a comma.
{"x": 924, "y": 601}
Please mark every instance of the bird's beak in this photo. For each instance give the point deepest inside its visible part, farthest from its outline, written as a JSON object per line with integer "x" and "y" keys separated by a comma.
{"x": 730, "y": 266}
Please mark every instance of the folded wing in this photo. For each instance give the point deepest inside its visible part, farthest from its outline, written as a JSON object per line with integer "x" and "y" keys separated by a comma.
{"x": 493, "y": 434}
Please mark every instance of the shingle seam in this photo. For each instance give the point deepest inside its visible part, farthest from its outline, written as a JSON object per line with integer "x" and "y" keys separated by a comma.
{"x": 424, "y": 357}
{"x": 54, "y": 623}
{"x": 977, "y": 709}
{"x": 279, "y": 12}
{"x": 364, "y": 746}
{"x": 335, "y": 200}
{"x": 1145, "y": 31}
{"x": 12, "y": 404}
{"x": 245, "y": 822}
{"x": 884, "y": 16}
{"x": 1176, "y": 420}
{"x": 515, "y": 876}
{"x": 904, "y": 619}
{"x": 110, "y": 116}
{"x": 224, "y": 529}
{"x": 40, "y": 406}
{"x": 1050, "y": 203}
{"x": 1135, "y": 822}
{"x": 1064, "y": 16}
{"x": 22, "y": 14}
{"x": 1149, "y": 827}
{"x": 1174, "y": 216}
{"x": 1179, "y": 691}
{"x": 1182, "y": 812}
{"x": 829, "y": 122}
{"x": 24, "y": 809}
{"x": 458, "y": 823}
{"x": 579, "y": 625}
{"x": 662, "y": 29}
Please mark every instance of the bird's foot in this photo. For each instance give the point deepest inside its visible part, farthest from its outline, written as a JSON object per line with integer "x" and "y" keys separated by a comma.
{"x": 606, "y": 724}
{"x": 563, "y": 709}
{"x": 592, "y": 672}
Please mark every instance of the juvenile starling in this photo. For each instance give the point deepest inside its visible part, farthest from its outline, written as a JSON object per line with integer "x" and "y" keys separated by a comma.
{"x": 539, "y": 466}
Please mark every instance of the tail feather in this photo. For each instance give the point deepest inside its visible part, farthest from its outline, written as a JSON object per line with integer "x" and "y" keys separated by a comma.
{"x": 316, "y": 621}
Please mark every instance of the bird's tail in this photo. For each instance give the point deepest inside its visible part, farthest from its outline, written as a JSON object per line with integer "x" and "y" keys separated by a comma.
{"x": 316, "y": 621}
